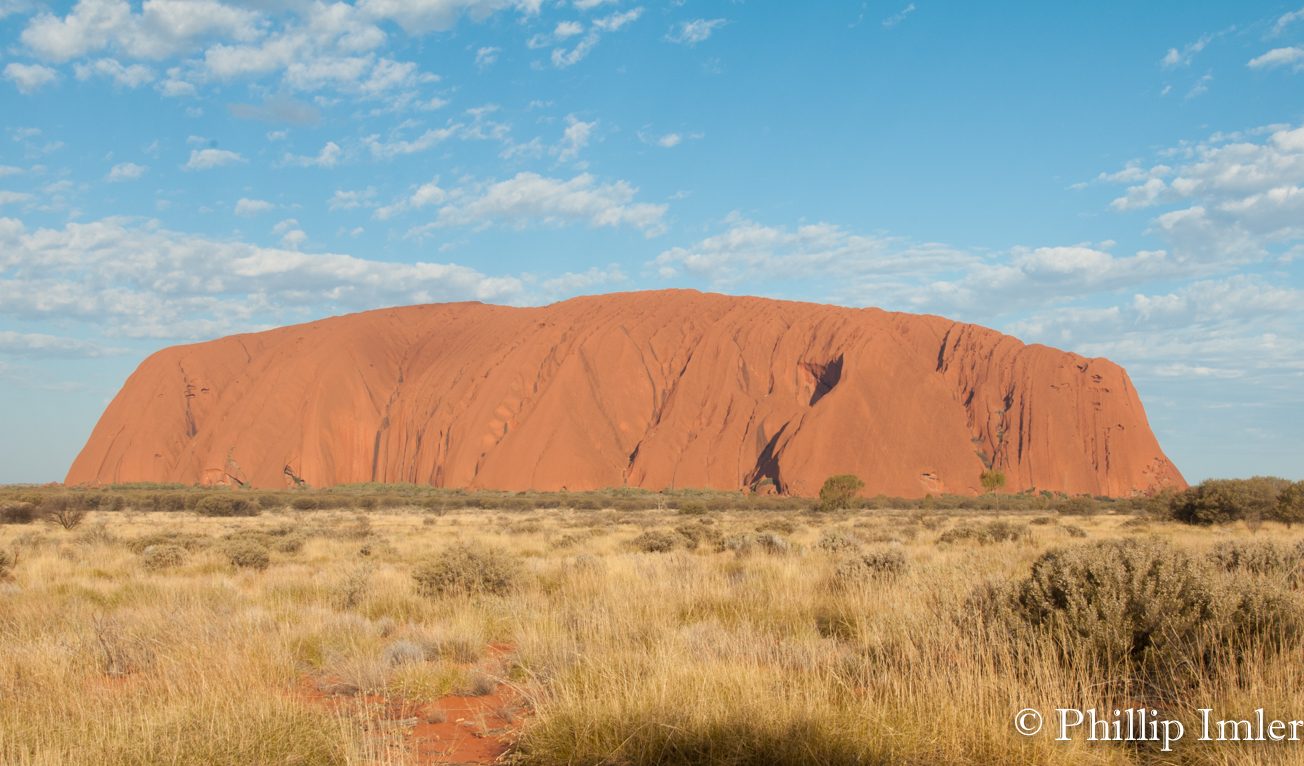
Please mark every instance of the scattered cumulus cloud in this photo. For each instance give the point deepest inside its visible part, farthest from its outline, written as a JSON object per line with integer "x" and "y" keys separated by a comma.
{"x": 530, "y": 198}
{"x": 694, "y": 31}
{"x": 563, "y": 57}
{"x": 125, "y": 171}
{"x": 328, "y": 157}
{"x": 29, "y": 78}
{"x": 206, "y": 159}
{"x": 1292, "y": 57}
{"x": 250, "y": 207}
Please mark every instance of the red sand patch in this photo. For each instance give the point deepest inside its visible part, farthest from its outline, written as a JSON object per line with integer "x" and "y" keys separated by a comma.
{"x": 457, "y": 729}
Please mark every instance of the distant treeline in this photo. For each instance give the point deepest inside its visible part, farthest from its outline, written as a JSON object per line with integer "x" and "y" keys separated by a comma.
{"x": 1214, "y": 501}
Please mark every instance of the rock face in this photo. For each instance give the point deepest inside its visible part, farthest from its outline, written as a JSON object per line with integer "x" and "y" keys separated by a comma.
{"x": 653, "y": 389}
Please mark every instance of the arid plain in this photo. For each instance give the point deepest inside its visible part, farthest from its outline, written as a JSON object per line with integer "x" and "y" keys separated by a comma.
{"x": 368, "y": 626}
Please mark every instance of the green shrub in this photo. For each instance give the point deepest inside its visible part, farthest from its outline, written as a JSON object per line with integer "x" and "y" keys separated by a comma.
{"x": 692, "y": 509}
{"x": 467, "y": 570}
{"x": 157, "y": 557}
{"x": 992, "y": 479}
{"x": 17, "y": 512}
{"x": 1219, "y": 501}
{"x": 986, "y": 533}
{"x": 1082, "y": 505}
{"x": 247, "y": 554}
{"x": 225, "y": 505}
{"x": 1290, "y": 504}
{"x": 839, "y": 492}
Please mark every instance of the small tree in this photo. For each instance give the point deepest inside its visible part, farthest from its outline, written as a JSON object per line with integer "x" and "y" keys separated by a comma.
{"x": 838, "y": 492}
{"x": 65, "y": 516}
{"x": 992, "y": 479}
{"x": 1290, "y": 504}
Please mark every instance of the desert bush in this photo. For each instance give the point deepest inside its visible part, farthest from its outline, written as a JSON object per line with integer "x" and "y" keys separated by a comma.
{"x": 65, "y": 516}
{"x": 837, "y": 541}
{"x": 186, "y": 540}
{"x": 96, "y": 534}
{"x": 781, "y": 526}
{"x": 1082, "y": 505}
{"x": 774, "y": 544}
{"x": 468, "y": 570}
{"x": 1218, "y": 501}
{"x": 225, "y": 505}
{"x": 157, "y": 557}
{"x": 1259, "y": 557}
{"x": 1072, "y": 530}
{"x": 839, "y": 492}
{"x": 697, "y": 534}
{"x": 985, "y": 533}
{"x": 656, "y": 541}
{"x": 876, "y": 563}
{"x": 403, "y": 653}
{"x": 248, "y": 554}
{"x": 1147, "y": 607}
{"x": 1290, "y": 504}
{"x": 692, "y": 509}
{"x": 992, "y": 479}
{"x": 8, "y": 560}
{"x": 17, "y": 512}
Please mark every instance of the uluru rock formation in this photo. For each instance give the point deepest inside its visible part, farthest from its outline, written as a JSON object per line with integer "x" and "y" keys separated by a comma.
{"x": 651, "y": 389}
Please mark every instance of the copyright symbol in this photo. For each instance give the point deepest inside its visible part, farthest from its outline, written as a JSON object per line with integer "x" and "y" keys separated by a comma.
{"x": 1027, "y": 722}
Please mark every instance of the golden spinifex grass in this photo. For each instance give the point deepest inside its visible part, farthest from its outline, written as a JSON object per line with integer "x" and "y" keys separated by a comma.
{"x": 737, "y": 638}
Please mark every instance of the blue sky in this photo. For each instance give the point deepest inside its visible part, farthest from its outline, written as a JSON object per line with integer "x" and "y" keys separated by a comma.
{"x": 1118, "y": 179}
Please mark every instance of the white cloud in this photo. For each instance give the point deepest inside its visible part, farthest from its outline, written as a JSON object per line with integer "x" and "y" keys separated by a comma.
{"x": 132, "y": 76}
{"x": 247, "y": 207}
{"x": 529, "y": 198}
{"x": 1201, "y": 86}
{"x": 562, "y": 58}
{"x": 1178, "y": 58}
{"x": 13, "y": 197}
{"x": 751, "y": 252}
{"x": 1277, "y": 57}
{"x": 421, "y": 16}
{"x": 125, "y": 171}
{"x": 42, "y": 345}
{"x": 328, "y": 157}
{"x": 574, "y": 138}
{"x": 205, "y": 159}
{"x": 136, "y": 279}
{"x": 694, "y": 31}
{"x": 29, "y": 78}
{"x": 486, "y": 56}
{"x": 162, "y": 28}
{"x": 9, "y": 170}
{"x": 425, "y": 195}
{"x": 898, "y": 17}
{"x": 666, "y": 140}
{"x": 345, "y": 199}
{"x": 1286, "y": 20}
{"x": 1232, "y": 198}
{"x": 567, "y": 29}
